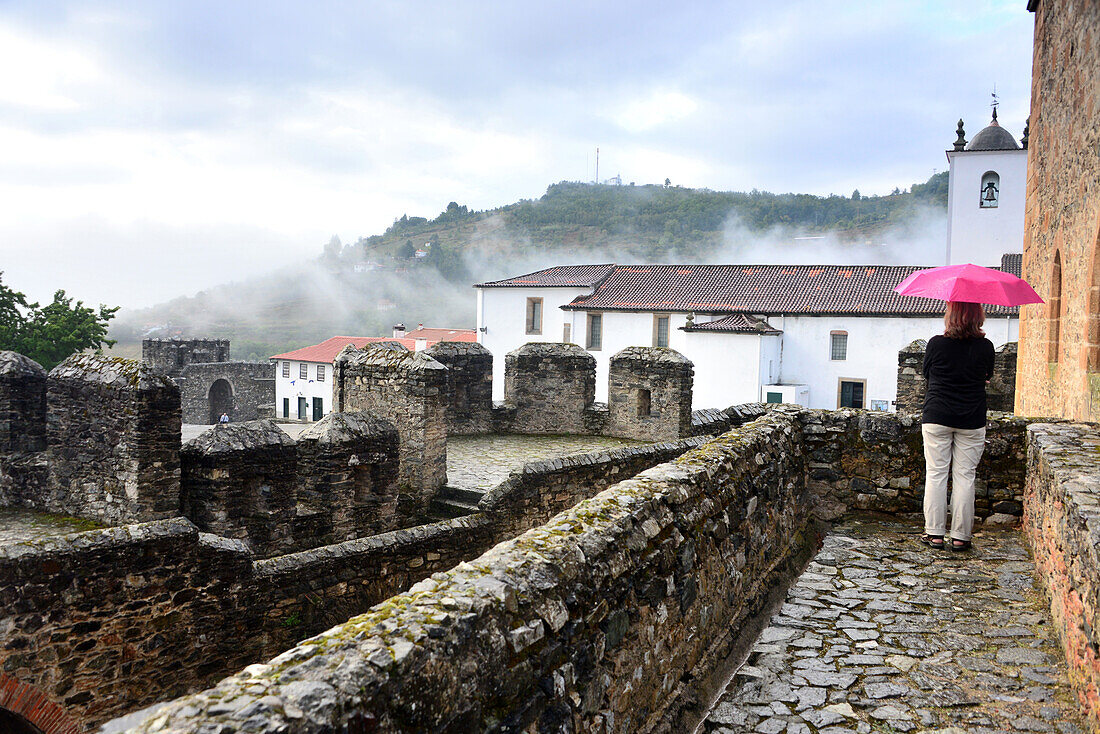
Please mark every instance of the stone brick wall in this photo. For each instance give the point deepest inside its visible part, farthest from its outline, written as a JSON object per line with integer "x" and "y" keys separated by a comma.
{"x": 113, "y": 436}
{"x": 541, "y": 489}
{"x": 240, "y": 481}
{"x": 1062, "y": 216}
{"x": 550, "y": 385}
{"x": 22, "y": 404}
{"x": 1000, "y": 391}
{"x": 347, "y": 478}
{"x": 649, "y": 394}
{"x": 170, "y": 356}
{"x": 468, "y": 392}
{"x": 252, "y": 385}
{"x": 608, "y": 618}
{"x": 1062, "y": 521}
{"x": 862, "y": 460}
{"x": 406, "y": 389}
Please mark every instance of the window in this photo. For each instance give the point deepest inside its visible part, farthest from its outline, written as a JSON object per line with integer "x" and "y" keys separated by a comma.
{"x": 838, "y": 346}
{"x": 1054, "y": 313}
{"x": 645, "y": 403}
{"x": 534, "y": 315}
{"x": 320, "y": 373}
{"x": 286, "y": 403}
{"x": 991, "y": 190}
{"x": 286, "y": 369}
{"x": 851, "y": 393}
{"x": 660, "y": 330}
{"x": 774, "y": 397}
{"x": 565, "y": 335}
{"x": 303, "y": 371}
{"x": 595, "y": 332}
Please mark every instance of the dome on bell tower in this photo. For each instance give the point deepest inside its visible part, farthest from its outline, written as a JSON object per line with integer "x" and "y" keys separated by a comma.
{"x": 993, "y": 137}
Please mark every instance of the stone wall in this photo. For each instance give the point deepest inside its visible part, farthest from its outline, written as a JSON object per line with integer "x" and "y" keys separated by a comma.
{"x": 251, "y": 385}
{"x": 1062, "y": 521}
{"x": 862, "y": 460}
{"x": 170, "y": 356}
{"x": 406, "y": 389}
{"x": 113, "y": 436}
{"x": 468, "y": 395}
{"x": 551, "y": 386}
{"x": 1060, "y": 341}
{"x": 649, "y": 394}
{"x": 347, "y": 479}
{"x": 608, "y": 618}
{"x": 22, "y": 404}
{"x": 240, "y": 481}
{"x": 1000, "y": 391}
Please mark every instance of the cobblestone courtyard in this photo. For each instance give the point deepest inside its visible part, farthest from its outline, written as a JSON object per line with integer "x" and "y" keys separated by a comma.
{"x": 18, "y": 525}
{"x": 880, "y": 634}
{"x": 483, "y": 462}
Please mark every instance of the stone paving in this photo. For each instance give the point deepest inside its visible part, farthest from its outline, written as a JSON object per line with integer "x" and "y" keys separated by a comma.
{"x": 881, "y": 634}
{"x": 483, "y": 462}
{"x": 17, "y": 525}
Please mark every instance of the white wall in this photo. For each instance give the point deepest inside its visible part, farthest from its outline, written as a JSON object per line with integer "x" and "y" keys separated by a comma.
{"x": 503, "y": 314}
{"x": 727, "y": 367}
{"x": 977, "y": 235}
{"x": 873, "y": 345}
{"x": 308, "y": 388}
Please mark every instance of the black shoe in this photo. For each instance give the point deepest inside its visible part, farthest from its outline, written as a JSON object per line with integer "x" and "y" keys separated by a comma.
{"x": 935, "y": 542}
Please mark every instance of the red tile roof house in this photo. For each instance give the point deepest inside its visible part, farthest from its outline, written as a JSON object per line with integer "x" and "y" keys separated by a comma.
{"x": 303, "y": 377}
{"x": 825, "y": 336}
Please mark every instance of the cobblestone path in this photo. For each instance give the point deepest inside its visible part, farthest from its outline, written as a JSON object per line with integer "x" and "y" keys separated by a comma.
{"x": 17, "y": 525}
{"x": 483, "y": 462}
{"x": 880, "y": 634}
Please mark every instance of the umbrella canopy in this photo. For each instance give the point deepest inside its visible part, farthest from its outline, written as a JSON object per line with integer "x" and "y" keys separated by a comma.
{"x": 971, "y": 283}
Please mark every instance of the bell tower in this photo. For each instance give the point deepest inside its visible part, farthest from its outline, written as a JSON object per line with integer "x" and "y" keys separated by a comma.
{"x": 985, "y": 195}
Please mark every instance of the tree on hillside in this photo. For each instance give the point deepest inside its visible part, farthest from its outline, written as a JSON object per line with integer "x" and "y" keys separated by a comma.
{"x": 48, "y": 334}
{"x": 406, "y": 250}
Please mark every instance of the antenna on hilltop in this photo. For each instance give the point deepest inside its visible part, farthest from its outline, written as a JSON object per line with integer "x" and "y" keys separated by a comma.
{"x": 597, "y": 165}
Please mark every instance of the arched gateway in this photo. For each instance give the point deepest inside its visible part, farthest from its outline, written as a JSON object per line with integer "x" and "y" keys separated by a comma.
{"x": 26, "y": 710}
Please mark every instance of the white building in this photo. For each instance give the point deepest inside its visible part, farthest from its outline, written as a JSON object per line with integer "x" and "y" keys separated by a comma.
{"x": 985, "y": 199}
{"x": 826, "y": 336}
{"x": 303, "y": 377}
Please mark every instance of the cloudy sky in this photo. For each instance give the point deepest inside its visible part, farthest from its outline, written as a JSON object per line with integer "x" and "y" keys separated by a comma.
{"x": 150, "y": 149}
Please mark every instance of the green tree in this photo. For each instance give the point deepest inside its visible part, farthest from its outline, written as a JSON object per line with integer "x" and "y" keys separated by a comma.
{"x": 406, "y": 250}
{"x": 48, "y": 334}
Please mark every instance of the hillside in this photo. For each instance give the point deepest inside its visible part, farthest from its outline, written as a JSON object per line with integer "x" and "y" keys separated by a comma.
{"x": 364, "y": 287}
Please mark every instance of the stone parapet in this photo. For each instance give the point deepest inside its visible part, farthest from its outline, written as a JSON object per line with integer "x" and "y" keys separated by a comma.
{"x": 22, "y": 404}
{"x": 1062, "y": 521}
{"x": 347, "y": 477}
{"x": 861, "y": 460}
{"x": 408, "y": 390}
{"x": 551, "y": 386}
{"x": 240, "y": 481}
{"x": 619, "y": 606}
{"x": 113, "y": 437}
{"x": 649, "y": 394}
{"x": 468, "y": 393}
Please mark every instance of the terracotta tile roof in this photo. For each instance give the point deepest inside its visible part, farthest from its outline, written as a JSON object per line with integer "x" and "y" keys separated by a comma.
{"x": 443, "y": 335}
{"x": 327, "y": 350}
{"x": 737, "y": 323}
{"x": 574, "y": 276}
{"x": 761, "y": 289}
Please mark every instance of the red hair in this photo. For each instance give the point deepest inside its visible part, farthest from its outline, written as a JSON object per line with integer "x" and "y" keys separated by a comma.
{"x": 963, "y": 320}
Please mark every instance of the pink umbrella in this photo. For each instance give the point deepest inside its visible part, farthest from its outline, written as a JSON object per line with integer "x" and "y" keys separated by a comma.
{"x": 971, "y": 283}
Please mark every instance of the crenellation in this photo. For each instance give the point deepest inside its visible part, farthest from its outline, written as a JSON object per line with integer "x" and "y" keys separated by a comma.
{"x": 171, "y": 356}
{"x": 552, "y": 387}
{"x": 1000, "y": 391}
{"x": 649, "y": 394}
{"x": 468, "y": 392}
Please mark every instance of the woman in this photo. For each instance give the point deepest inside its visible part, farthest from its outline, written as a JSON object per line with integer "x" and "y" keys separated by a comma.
{"x": 956, "y": 367}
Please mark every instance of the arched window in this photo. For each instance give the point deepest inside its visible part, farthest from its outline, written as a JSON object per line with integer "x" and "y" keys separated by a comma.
{"x": 1054, "y": 313}
{"x": 991, "y": 190}
{"x": 1092, "y": 338}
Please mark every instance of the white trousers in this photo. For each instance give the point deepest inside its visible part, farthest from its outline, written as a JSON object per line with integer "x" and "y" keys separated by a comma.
{"x": 958, "y": 450}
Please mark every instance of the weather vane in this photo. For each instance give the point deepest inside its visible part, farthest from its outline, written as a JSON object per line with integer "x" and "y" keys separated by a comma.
{"x": 995, "y": 101}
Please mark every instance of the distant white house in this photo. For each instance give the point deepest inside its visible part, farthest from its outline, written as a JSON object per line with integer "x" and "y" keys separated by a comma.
{"x": 824, "y": 336}
{"x": 303, "y": 377}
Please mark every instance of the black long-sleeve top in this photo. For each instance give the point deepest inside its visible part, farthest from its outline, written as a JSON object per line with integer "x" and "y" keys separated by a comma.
{"x": 955, "y": 373}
